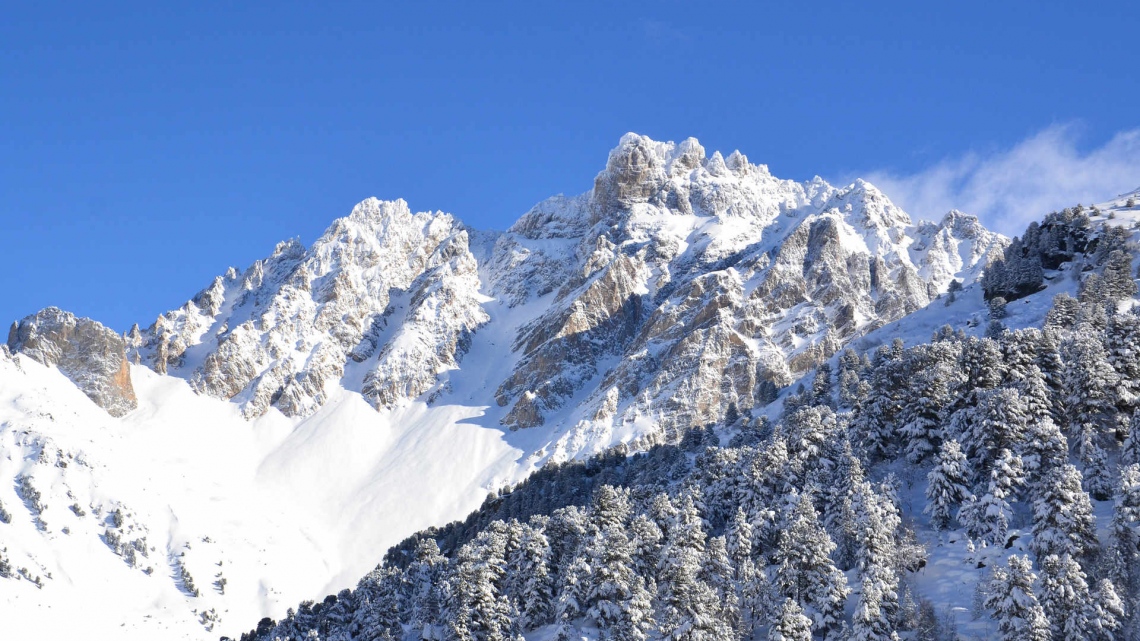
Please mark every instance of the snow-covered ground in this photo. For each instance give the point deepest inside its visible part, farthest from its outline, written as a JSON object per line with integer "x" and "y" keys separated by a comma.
{"x": 282, "y": 510}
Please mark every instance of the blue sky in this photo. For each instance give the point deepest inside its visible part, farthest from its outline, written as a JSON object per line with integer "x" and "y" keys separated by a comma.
{"x": 146, "y": 147}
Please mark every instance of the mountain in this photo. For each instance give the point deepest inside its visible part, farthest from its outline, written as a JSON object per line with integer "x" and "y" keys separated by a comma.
{"x": 620, "y": 306}
{"x": 270, "y": 439}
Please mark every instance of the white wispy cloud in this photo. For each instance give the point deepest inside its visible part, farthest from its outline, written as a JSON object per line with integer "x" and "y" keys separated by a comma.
{"x": 1011, "y": 187}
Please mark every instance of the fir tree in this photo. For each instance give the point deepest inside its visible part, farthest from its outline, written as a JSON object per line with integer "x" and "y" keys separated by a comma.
{"x": 1012, "y": 601}
{"x": 1063, "y": 521}
{"x": 691, "y": 609}
{"x": 871, "y": 621}
{"x": 791, "y": 624}
{"x": 946, "y": 485}
{"x": 1098, "y": 477}
{"x": 1090, "y": 380}
{"x": 806, "y": 572}
{"x": 1065, "y": 597}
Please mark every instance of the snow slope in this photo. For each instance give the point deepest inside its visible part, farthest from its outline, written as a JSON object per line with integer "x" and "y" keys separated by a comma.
{"x": 283, "y": 510}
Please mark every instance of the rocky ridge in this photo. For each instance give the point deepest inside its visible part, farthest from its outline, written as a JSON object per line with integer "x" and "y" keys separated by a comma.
{"x": 90, "y": 355}
{"x": 681, "y": 287}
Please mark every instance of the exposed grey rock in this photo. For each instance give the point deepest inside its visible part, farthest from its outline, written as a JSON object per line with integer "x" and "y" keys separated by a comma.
{"x": 91, "y": 355}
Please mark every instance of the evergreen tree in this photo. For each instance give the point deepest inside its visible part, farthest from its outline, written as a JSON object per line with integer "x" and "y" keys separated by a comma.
{"x": 791, "y": 624}
{"x": 1012, "y": 601}
{"x": 806, "y": 572}
{"x": 1065, "y": 597}
{"x": 1063, "y": 314}
{"x": 615, "y": 594}
{"x": 478, "y": 609}
{"x": 530, "y": 580}
{"x": 1090, "y": 380}
{"x": 946, "y": 485}
{"x": 821, "y": 386}
{"x": 690, "y": 607}
{"x": 1098, "y": 477}
{"x": 425, "y": 577}
{"x": 871, "y": 621}
{"x": 1108, "y": 612}
{"x": 998, "y": 423}
{"x": 1063, "y": 521}
{"x": 1117, "y": 282}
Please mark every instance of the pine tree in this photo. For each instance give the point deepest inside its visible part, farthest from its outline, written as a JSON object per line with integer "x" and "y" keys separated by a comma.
{"x": 1063, "y": 521}
{"x": 615, "y": 593}
{"x": 1063, "y": 314}
{"x": 531, "y": 582}
{"x": 987, "y": 518}
{"x": 1122, "y": 342}
{"x": 690, "y": 606}
{"x": 1090, "y": 380}
{"x": 1117, "y": 280}
{"x": 425, "y": 577}
{"x": 1065, "y": 597}
{"x": 1012, "y": 601}
{"x": 1098, "y": 477}
{"x": 806, "y": 572}
{"x": 1108, "y": 612}
{"x": 1121, "y": 559}
{"x": 791, "y": 624}
{"x": 946, "y": 485}
{"x": 934, "y": 384}
{"x": 871, "y": 621}
{"x": 999, "y": 422}
{"x": 821, "y": 386}
{"x": 478, "y": 609}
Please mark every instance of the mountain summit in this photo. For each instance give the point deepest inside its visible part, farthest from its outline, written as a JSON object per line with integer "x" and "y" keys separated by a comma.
{"x": 681, "y": 285}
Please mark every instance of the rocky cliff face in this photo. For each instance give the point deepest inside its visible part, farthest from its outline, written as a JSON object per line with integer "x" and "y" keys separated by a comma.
{"x": 91, "y": 355}
{"x": 384, "y": 302}
{"x": 703, "y": 283}
{"x": 681, "y": 285}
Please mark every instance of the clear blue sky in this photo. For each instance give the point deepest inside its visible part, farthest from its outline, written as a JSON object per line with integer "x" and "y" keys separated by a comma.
{"x": 144, "y": 148}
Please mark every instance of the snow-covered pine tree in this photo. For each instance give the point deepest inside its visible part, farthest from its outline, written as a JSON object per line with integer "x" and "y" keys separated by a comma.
{"x": 1064, "y": 596}
{"x": 1108, "y": 612}
{"x": 425, "y": 580}
{"x": 380, "y": 595}
{"x": 946, "y": 485}
{"x": 646, "y": 538}
{"x": 821, "y": 390}
{"x": 690, "y": 609}
{"x": 933, "y": 386}
{"x": 477, "y": 609}
{"x": 1013, "y": 603}
{"x": 999, "y": 422}
{"x": 1099, "y": 479}
{"x": 1063, "y": 520}
{"x": 1122, "y": 341}
{"x": 1120, "y": 561}
{"x": 1063, "y": 313}
{"x": 1117, "y": 282}
{"x": 1090, "y": 380}
{"x": 806, "y": 572}
{"x": 791, "y": 624}
{"x": 530, "y": 581}
{"x": 615, "y": 595}
{"x": 872, "y": 621}
{"x": 987, "y": 518}
{"x": 852, "y": 386}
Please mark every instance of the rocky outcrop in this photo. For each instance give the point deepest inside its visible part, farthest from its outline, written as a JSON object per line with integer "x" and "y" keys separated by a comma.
{"x": 383, "y": 302}
{"x": 708, "y": 283}
{"x": 90, "y": 355}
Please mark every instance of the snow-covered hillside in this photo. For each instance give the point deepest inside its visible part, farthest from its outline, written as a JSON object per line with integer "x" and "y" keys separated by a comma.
{"x": 297, "y": 418}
